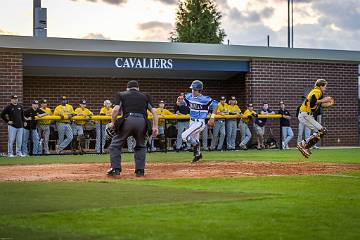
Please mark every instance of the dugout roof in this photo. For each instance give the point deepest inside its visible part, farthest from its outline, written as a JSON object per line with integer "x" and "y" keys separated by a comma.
{"x": 130, "y": 59}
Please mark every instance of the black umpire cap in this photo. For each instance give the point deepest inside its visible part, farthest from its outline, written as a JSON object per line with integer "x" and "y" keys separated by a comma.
{"x": 133, "y": 84}
{"x": 14, "y": 96}
{"x": 35, "y": 102}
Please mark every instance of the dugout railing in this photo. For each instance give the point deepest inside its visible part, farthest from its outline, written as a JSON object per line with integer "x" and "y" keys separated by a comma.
{"x": 100, "y": 118}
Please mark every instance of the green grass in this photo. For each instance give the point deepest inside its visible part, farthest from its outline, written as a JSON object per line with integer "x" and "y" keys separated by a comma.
{"x": 322, "y": 155}
{"x": 306, "y": 207}
{"x": 287, "y": 207}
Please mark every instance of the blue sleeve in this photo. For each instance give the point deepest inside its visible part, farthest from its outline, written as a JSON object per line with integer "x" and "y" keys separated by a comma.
{"x": 186, "y": 99}
{"x": 213, "y": 104}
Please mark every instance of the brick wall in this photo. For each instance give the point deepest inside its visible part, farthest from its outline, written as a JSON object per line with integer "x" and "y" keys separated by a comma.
{"x": 96, "y": 90}
{"x": 266, "y": 82}
{"x": 272, "y": 81}
{"x": 11, "y": 82}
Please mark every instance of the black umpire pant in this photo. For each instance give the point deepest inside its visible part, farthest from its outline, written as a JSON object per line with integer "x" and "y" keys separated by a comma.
{"x": 132, "y": 126}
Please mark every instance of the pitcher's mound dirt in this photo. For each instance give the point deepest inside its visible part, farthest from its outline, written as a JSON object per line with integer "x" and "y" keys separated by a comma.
{"x": 96, "y": 171}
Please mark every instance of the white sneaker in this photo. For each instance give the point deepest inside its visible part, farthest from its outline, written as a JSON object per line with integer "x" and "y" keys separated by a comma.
{"x": 23, "y": 155}
{"x": 11, "y": 155}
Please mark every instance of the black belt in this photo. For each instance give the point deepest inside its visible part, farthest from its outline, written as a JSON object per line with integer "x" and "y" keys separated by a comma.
{"x": 137, "y": 115}
{"x": 196, "y": 119}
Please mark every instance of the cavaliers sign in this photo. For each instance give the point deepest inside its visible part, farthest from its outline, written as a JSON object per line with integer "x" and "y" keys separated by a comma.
{"x": 133, "y": 64}
{"x": 144, "y": 63}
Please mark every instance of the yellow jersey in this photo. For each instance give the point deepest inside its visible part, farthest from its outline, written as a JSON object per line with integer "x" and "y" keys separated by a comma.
{"x": 233, "y": 109}
{"x": 64, "y": 111}
{"x": 247, "y": 115}
{"x": 222, "y": 108}
{"x": 107, "y": 112}
{"x": 305, "y": 106}
{"x": 48, "y": 111}
{"x": 81, "y": 112}
{"x": 163, "y": 112}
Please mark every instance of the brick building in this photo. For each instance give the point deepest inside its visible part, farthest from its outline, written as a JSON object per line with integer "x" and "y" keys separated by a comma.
{"x": 96, "y": 69}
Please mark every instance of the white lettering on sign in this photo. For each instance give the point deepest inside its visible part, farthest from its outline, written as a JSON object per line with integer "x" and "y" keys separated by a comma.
{"x": 144, "y": 63}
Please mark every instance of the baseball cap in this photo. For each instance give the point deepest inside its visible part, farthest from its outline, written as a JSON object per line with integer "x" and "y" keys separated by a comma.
{"x": 133, "y": 84}
{"x": 44, "y": 101}
{"x": 14, "y": 96}
{"x": 223, "y": 98}
{"x": 35, "y": 102}
{"x": 250, "y": 105}
{"x": 162, "y": 101}
{"x": 63, "y": 98}
{"x": 233, "y": 98}
{"x": 83, "y": 101}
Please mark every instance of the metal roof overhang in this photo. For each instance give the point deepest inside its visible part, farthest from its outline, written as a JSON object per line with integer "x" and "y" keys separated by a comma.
{"x": 191, "y": 52}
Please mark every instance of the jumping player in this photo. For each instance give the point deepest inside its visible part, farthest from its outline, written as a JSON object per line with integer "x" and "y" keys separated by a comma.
{"x": 200, "y": 106}
{"x": 311, "y": 103}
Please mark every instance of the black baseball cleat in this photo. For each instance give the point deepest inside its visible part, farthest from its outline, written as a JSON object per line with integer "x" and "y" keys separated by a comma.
{"x": 113, "y": 172}
{"x": 139, "y": 172}
{"x": 197, "y": 158}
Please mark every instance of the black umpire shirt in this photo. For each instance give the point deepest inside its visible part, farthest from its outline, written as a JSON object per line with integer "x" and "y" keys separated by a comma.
{"x": 133, "y": 101}
{"x": 15, "y": 114}
{"x": 283, "y": 121}
{"x": 183, "y": 109}
{"x": 31, "y": 124}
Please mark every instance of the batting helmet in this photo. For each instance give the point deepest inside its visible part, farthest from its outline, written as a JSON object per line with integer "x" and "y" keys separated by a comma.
{"x": 320, "y": 82}
{"x": 197, "y": 85}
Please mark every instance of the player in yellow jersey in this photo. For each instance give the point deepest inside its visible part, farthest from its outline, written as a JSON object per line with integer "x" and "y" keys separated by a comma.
{"x": 231, "y": 124}
{"x": 78, "y": 127}
{"x": 161, "y": 111}
{"x": 65, "y": 111}
{"x": 44, "y": 129}
{"x": 100, "y": 126}
{"x": 312, "y": 102}
{"x": 219, "y": 127}
{"x": 243, "y": 126}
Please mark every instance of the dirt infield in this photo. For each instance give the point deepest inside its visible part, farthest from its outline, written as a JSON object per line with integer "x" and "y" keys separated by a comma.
{"x": 96, "y": 171}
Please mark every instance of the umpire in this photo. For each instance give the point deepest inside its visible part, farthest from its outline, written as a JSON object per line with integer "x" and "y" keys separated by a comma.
{"x": 133, "y": 104}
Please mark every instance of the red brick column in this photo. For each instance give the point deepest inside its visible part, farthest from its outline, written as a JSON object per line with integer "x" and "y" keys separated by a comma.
{"x": 11, "y": 82}
{"x": 271, "y": 81}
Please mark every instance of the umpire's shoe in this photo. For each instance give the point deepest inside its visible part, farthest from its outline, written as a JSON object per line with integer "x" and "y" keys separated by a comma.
{"x": 139, "y": 172}
{"x": 113, "y": 172}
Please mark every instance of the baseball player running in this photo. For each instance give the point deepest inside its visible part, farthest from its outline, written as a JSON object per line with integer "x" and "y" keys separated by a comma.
{"x": 200, "y": 106}
{"x": 311, "y": 103}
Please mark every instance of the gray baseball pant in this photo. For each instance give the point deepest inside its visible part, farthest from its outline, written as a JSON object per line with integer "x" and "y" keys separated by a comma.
{"x": 231, "y": 127}
{"x": 133, "y": 126}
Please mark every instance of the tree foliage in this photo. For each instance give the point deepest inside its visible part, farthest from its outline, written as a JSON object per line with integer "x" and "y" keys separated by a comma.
{"x": 198, "y": 21}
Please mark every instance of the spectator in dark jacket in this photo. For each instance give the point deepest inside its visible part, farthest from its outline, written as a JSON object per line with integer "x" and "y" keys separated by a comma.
{"x": 259, "y": 125}
{"x": 287, "y": 132}
{"x": 13, "y": 115}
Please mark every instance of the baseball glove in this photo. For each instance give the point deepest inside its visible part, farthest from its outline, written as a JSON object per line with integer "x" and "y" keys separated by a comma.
{"x": 328, "y": 103}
